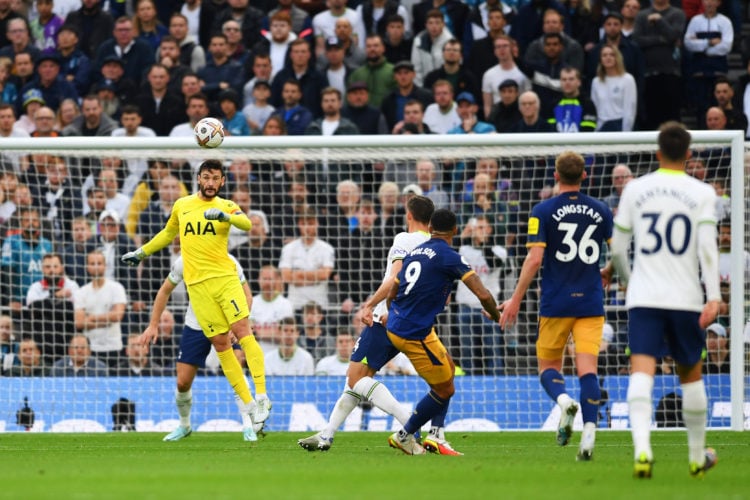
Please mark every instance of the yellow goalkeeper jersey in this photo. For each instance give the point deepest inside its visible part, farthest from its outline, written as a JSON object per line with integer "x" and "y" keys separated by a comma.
{"x": 203, "y": 242}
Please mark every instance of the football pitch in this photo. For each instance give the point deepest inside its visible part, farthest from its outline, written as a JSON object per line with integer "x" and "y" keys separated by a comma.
{"x": 523, "y": 465}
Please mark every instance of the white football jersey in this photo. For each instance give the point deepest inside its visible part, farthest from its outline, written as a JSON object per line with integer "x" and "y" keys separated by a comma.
{"x": 176, "y": 277}
{"x": 663, "y": 210}
{"x": 403, "y": 243}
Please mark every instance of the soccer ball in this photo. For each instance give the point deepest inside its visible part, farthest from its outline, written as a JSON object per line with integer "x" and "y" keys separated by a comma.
{"x": 209, "y": 133}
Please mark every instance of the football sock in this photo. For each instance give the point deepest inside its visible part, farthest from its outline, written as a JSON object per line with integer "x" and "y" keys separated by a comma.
{"x": 255, "y": 361}
{"x": 184, "y": 401}
{"x": 246, "y": 420}
{"x": 233, "y": 373}
{"x": 590, "y": 396}
{"x": 694, "y": 406}
{"x": 371, "y": 389}
{"x": 640, "y": 389}
{"x": 438, "y": 420}
{"x": 553, "y": 383}
{"x": 428, "y": 407}
{"x": 344, "y": 406}
{"x": 588, "y": 436}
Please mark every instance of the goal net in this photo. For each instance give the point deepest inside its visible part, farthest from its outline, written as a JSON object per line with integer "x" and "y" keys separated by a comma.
{"x": 69, "y": 357}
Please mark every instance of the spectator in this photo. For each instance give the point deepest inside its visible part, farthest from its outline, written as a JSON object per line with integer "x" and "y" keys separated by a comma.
{"x": 112, "y": 78}
{"x": 192, "y": 54}
{"x": 466, "y": 107}
{"x": 301, "y": 20}
{"x": 574, "y": 112}
{"x": 374, "y": 15}
{"x": 572, "y": 52}
{"x": 93, "y": 24}
{"x": 715, "y": 119}
{"x": 289, "y": 358}
{"x": 23, "y": 69}
{"x": 315, "y": 338}
{"x": 505, "y": 114}
{"x": 28, "y": 362}
{"x": 99, "y": 308}
{"x": 442, "y": 115}
{"x": 22, "y": 258}
{"x": 504, "y": 70}
{"x": 156, "y": 214}
{"x": 390, "y": 217}
{"x": 354, "y": 55}
{"x": 45, "y": 27}
{"x": 725, "y": 263}
{"x": 459, "y": 75}
{"x": 276, "y": 42}
{"x": 614, "y": 93}
{"x": 324, "y": 24}
{"x": 262, "y": 248}
{"x": 426, "y": 176}
{"x": 331, "y": 63}
{"x": 377, "y": 73}
{"x": 261, "y": 71}
{"x": 742, "y": 95}
{"x": 621, "y": 175}
{"x": 166, "y": 348}
{"x": 50, "y": 307}
{"x": 367, "y": 119}
{"x": 8, "y": 90}
{"x": 137, "y": 362}
{"x": 453, "y": 13}
{"x": 74, "y": 253}
{"x": 44, "y": 123}
{"x": 93, "y": 121}
{"x": 481, "y": 57}
{"x": 79, "y": 362}
{"x": 307, "y": 263}
{"x": 544, "y": 73}
{"x": 66, "y": 113}
{"x": 57, "y": 199}
{"x": 233, "y": 121}
{"x": 8, "y": 346}
{"x": 708, "y": 40}
{"x": 529, "y": 105}
{"x": 296, "y": 116}
{"x": 658, "y": 31}
{"x": 398, "y": 43}
{"x": 269, "y": 308}
{"x": 75, "y": 65}
{"x": 20, "y": 40}
{"x": 614, "y": 36}
{"x": 136, "y": 55}
{"x": 427, "y": 51}
{"x": 717, "y": 349}
{"x": 394, "y": 103}
{"x": 332, "y": 123}
{"x": 629, "y": 12}
{"x": 147, "y": 25}
{"x": 7, "y": 13}
{"x": 724, "y": 95}
{"x": 413, "y": 119}
{"x": 31, "y": 101}
{"x": 481, "y": 339}
{"x": 301, "y": 69}
{"x": 258, "y": 111}
{"x": 249, "y": 18}
{"x": 8, "y": 128}
{"x": 220, "y": 72}
{"x": 528, "y": 24}
{"x": 338, "y": 363}
{"x": 197, "y": 109}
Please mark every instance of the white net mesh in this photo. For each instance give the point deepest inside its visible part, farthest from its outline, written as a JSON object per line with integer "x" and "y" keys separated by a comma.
{"x": 494, "y": 179}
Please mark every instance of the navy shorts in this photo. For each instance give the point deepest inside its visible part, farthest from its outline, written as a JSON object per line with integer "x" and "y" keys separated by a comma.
{"x": 194, "y": 347}
{"x": 373, "y": 347}
{"x": 649, "y": 330}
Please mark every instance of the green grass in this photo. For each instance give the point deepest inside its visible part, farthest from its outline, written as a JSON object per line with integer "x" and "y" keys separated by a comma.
{"x": 360, "y": 465}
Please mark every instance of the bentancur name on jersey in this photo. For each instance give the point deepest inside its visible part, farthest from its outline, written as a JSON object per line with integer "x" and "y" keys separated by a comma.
{"x": 577, "y": 208}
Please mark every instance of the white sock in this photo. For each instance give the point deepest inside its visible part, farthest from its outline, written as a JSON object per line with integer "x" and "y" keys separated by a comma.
{"x": 694, "y": 406}
{"x": 184, "y": 402}
{"x": 588, "y": 437}
{"x": 246, "y": 420}
{"x": 640, "y": 408}
{"x": 564, "y": 400}
{"x": 381, "y": 397}
{"x": 344, "y": 406}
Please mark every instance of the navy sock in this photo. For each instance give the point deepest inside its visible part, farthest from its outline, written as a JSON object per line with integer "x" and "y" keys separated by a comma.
{"x": 590, "y": 395}
{"x": 553, "y": 383}
{"x": 428, "y": 407}
{"x": 438, "y": 420}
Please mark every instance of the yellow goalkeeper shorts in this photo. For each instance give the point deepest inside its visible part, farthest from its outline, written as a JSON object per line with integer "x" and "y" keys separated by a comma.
{"x": 218, "y": 303}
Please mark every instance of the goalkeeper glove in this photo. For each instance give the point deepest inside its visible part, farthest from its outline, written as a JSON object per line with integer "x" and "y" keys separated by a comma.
{"x": 133, "y": 258}
{"x": 216, "y": 214}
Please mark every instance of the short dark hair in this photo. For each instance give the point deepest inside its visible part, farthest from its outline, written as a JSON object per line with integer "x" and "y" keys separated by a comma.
{"x": 395, "y": 18}
{"x": 674, "y": 141}
{"x": 289, "y": 320}
{"x": 421, "y": 208}
{"x": 130, "y": 109}
{"x": 211, "y": 165}
{"x": 443, "y": 220}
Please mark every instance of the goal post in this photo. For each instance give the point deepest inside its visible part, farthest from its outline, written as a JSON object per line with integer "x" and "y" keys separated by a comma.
{"x": 495, "y": 394}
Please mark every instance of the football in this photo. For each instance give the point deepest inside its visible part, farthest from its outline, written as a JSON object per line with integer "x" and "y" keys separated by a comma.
{"x": 209, "y": 133}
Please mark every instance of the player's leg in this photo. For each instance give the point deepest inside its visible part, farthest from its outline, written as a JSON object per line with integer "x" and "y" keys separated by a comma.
{"x": 645, "y": 340}
{"x": 553, "y": 335}
{"x": 256, "y": 363}
{"x": 686, "y": 341}
{"x": 430, "y": 358}
{"x": 249, "y": 428}
{"x": 435, "y": 442}
{"x": 587, "y": 335}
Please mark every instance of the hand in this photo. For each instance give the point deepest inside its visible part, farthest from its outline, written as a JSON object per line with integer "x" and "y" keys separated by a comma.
{"x": 216, "y": 214}
{"x": 133, "y": 258}
{"x": 509, "y": 314}
{"x": 149, "y": 336}
{"x": 709, "y": 313}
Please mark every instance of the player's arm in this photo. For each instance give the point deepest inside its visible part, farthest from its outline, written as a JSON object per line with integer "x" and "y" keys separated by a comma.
{"x": 530, "y": 267}
{"x": 708, "y": 254}
{"x": 151, "y": 333}
{"x": 619, "y": 250}
{"x": 161, "y": 240}
{"x": 381, "y": 293}
{"x": 474, "y": 283}
{"x": 392, "y": 293}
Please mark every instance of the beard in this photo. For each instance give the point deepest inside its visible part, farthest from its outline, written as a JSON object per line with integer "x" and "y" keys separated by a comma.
{"x": 206, "y": 194}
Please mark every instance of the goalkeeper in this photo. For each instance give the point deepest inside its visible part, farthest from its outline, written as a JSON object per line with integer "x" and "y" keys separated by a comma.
{"x": 194, "y": 347}
{"x": 202, "y": 221}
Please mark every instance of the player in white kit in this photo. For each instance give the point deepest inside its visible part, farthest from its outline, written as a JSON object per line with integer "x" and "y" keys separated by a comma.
{"x": 671, "y": 217}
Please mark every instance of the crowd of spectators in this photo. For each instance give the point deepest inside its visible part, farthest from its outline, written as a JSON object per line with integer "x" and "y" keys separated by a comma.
{"x": 321, "y": 230}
